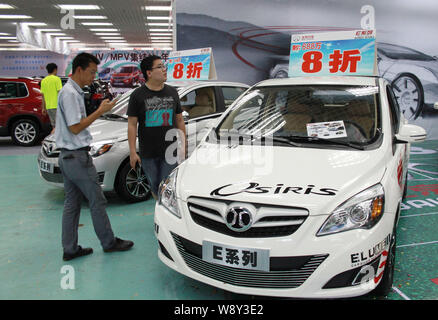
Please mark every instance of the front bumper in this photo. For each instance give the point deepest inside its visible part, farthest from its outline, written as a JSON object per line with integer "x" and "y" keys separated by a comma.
{"x": 106, "y": 170}
{"x": 301, "y": 265}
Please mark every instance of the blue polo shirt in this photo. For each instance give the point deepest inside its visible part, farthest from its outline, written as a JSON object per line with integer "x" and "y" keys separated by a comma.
{"x": 71, "y": 109}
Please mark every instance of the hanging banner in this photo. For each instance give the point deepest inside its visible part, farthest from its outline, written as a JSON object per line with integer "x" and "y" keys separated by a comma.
{"x": 196, "y": 64}
{"x": 333, "y": 53}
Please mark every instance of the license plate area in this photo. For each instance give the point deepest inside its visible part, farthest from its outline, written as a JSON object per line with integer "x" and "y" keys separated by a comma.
{"x": 46, "y": 166}
{"x": 236, "y": 257}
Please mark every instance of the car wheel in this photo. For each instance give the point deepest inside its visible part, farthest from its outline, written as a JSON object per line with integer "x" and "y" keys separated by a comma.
{"x": 25, "y": 132}
{"x": 132, "y": 185}
{"x": 409, "y": 93}
{"x": 385, "y": 285}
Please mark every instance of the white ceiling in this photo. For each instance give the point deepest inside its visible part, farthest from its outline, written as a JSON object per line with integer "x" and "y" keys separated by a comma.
{"x": 129, "y": 17}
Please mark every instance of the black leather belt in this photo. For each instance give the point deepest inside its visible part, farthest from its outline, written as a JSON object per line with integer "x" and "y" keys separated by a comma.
{"x": 80, "y": 149}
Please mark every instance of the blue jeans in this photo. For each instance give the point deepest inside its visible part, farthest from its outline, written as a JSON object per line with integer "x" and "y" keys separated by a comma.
{"x": 156, "y": 169}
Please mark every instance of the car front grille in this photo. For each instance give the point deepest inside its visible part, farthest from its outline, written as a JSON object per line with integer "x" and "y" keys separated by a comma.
{"x": 277, "y": 221}
{"x": 285, "y": 272}
{"x": 50, "y": 150}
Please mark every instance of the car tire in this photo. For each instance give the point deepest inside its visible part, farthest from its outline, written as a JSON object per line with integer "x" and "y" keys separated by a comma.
{"x": 385, "y": 285}
{"x": 25, "y": 132}
{"x": 132, "y": 185}
{"x": 410, "y": 95}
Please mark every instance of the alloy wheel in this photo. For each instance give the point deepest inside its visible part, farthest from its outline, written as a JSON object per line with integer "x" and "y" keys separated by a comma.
{"x": 137, "y": 183}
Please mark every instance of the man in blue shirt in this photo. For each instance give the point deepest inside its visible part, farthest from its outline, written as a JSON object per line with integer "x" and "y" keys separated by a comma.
{"x": 79, "y": 174}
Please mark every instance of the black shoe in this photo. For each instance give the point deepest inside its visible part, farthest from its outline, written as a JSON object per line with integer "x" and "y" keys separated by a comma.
{"x": 81, "y": 252}
{"x": 120, "y": 245}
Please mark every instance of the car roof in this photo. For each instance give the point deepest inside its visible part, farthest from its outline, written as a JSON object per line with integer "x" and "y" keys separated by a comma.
{"x": 323, "y": 80}
{"x": 192, "y": 83}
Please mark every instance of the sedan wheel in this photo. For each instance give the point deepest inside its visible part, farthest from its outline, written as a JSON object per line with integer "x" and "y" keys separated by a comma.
{"x": 25, "y": 132}
{"x": 409, "y": 94}
{"x": 133, "y": 185}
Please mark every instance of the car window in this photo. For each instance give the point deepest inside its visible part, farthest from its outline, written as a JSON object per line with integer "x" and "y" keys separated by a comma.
{"x": 22, "y": 90}
{"x": 200, "y": 102}
{"x": 8, "y": 90}
{"x": 230, "y": 94}
{"x": 394, "y": 111}
{"x": 341, "y": 113}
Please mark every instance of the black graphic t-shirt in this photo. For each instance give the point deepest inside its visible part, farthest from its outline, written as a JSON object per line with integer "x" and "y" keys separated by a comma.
{"x": 156, "y": 112}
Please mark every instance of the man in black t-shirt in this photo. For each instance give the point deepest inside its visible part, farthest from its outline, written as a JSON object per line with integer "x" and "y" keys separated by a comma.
{"x": 156, "y": 109}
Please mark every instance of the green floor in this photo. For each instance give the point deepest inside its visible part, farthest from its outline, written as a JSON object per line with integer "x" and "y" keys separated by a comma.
{"x": 30, "y": 249}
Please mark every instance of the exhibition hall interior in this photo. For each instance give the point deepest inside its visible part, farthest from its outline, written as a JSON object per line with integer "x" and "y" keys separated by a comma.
{"x": 262, "y": 150}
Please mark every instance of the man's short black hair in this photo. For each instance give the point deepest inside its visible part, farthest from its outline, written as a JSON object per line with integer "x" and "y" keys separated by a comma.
{"x": 82, "y": 60}
{"x": 51, "y": 67}
{"x": 147, "y": 63}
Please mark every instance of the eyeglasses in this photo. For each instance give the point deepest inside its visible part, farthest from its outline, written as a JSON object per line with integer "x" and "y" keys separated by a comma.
{"x": 162, "y": 67}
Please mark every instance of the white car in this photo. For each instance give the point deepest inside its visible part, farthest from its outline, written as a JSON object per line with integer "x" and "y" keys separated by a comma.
{"x": 273, "y": 203}
{"x": 203, "y": 102}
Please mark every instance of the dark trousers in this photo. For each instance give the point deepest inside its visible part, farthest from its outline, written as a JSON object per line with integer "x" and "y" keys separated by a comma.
{"x": 80, "y": 178}
{"x": 156, "y": 169}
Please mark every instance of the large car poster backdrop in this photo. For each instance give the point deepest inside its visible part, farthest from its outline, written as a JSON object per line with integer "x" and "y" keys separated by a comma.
{"x": 121, "y": 68}
{"x": 251, "y": 41}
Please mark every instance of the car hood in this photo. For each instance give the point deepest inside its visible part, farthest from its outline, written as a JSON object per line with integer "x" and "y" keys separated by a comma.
{"x": 316, "y": 179}
{"x": 104, "y": 130}
{"x": 109, "y": 129}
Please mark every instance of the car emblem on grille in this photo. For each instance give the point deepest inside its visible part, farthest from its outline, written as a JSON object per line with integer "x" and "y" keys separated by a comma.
{"x": 238, "y": 219}
{"x": 48, "y": 148}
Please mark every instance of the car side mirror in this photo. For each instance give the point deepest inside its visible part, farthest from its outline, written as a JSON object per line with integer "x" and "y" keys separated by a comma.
{"x": 410, "y": 133}
{"x": 185, "y": 115}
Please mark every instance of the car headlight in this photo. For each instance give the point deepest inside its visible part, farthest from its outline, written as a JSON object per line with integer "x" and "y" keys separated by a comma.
{"x": 100, "y": 147}
{"x": 362, "y": 211}
{"x": 167, "y": 193}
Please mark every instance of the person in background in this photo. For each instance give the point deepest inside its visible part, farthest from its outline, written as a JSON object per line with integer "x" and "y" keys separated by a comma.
{"x": 156, "y": 109}
{"x": 50, "y": 87}
{"x": 73, "y": 138}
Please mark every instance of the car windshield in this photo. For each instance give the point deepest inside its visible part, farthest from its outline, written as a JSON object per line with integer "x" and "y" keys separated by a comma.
{"x": 121, "y": 105}
{"x": 127, "y": 69}
{"x": 319, "y": 115}
{"x": 398, "y": 52}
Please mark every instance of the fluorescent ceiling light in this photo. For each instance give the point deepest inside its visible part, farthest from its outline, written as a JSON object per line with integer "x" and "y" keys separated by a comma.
{"x": 158, "y": 8}
{"x": 6, "y": 6}
{"x": 159, "y": 24}
{"x": 56, "y": 34}
{"x": 160, "y": 34}
{"x": 161, "y": 38}
{"x": 34, "y": 24}
{"x": 71, "y": 41}
{"x": 64, "y": 38}
{"x": 48, "y": 30}
{"x": 103, "y": 30}
{"x": 161, "y": 30}
{"x": 14, "y": 41}
{"x": 90, "y": 17}
{"x": 97, "y": 23}
{"x": 159, "y": 18}
{"x": 114, "y": 41}
{"x": 6, "y": 38}
{"x": 4, "y": 34}
{"x": 78, "y": 6}
{"x": 108, "y": 34}
{"x": 14, "y": 16}
{"x": 114, "y": 38}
